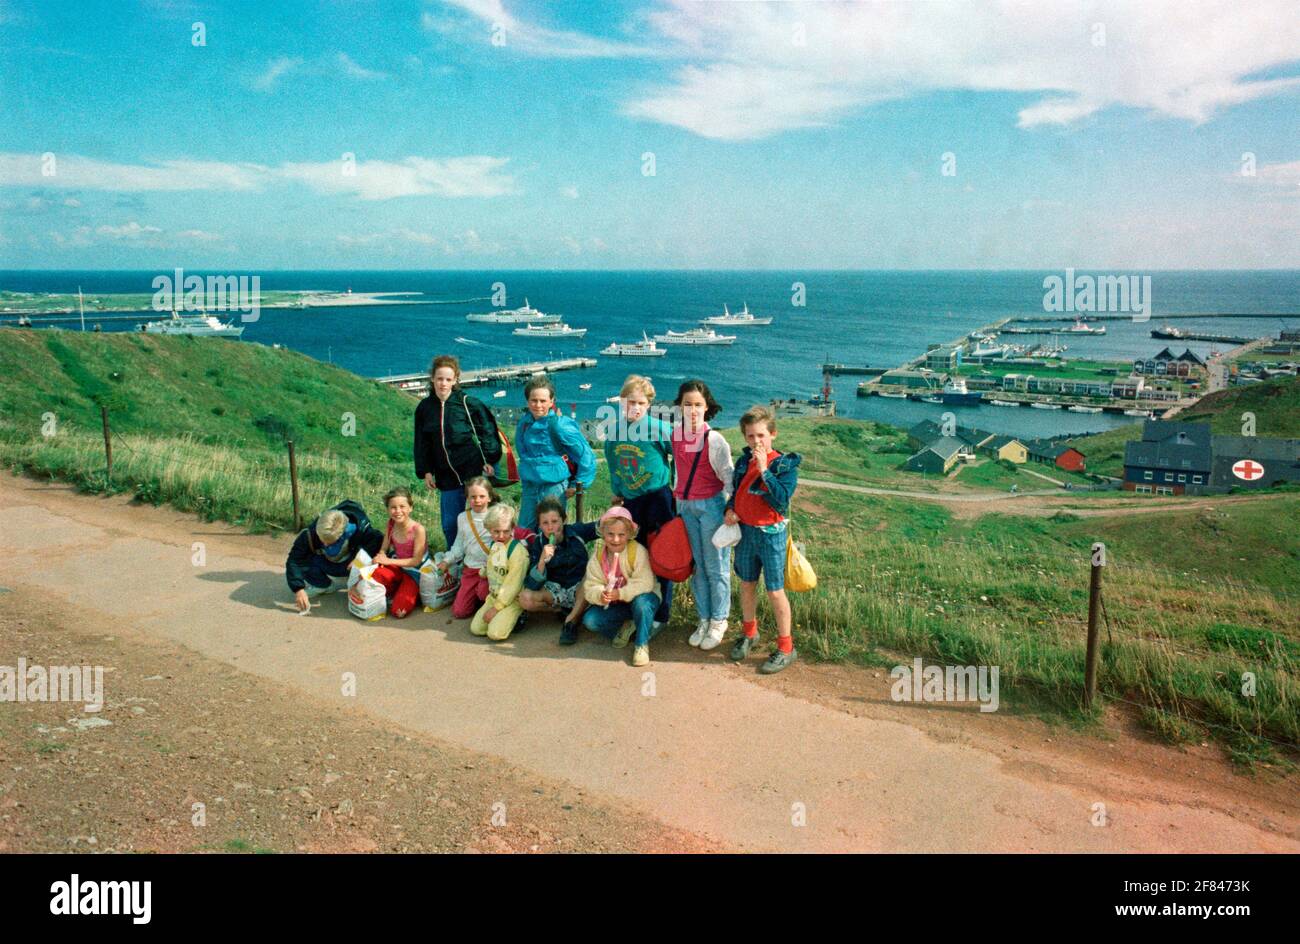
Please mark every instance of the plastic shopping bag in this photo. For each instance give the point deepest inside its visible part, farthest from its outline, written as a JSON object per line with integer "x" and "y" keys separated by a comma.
{"x": 436, "y": 588}
{"x": 367, "y": 597}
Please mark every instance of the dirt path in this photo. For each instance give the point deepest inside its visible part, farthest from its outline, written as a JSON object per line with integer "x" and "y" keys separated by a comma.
{"x": 709, "y": 749}
{"x": 1045, "y": 502}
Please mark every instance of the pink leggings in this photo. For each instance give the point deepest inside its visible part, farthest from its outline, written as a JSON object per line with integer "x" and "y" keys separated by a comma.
{"x": 473, "y": 591}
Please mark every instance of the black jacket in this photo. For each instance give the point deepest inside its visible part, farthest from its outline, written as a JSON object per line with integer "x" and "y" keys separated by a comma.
{"x": 445, "y": 440}
{"x": 307, "y": 545}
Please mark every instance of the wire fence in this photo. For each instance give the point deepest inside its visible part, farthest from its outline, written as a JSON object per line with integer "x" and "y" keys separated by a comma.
{"x": 923, "y": 587}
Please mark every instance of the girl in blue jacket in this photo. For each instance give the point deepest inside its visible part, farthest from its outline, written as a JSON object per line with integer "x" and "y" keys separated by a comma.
{"x": 554, "y": 457}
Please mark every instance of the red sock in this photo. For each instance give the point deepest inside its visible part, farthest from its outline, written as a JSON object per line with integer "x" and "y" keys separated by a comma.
{"x": 750, "y": 627}
{"x": 785, "y": 643}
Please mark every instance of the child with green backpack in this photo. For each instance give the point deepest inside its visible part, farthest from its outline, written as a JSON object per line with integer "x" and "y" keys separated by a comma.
{"x": 507, "y": 564}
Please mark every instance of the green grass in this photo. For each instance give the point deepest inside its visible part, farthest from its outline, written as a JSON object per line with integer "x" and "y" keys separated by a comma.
{"x": 1195, "y": 598}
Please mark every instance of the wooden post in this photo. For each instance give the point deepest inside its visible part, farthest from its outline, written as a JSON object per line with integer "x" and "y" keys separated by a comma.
{"x": 579, "y": 494}
{"x": 108, "y": 440}
{"x": 293, "y": 482}
{"x": 1094, "y": 600}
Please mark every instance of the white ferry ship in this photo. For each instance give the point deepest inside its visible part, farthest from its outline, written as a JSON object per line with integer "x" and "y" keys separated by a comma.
{"x": 643, "y": 348}
{"x": 742, "y": 319}
{"x": 524, "y": 315}
{"x": 695, "y": 336}
{"x": 556, "y": 329}
{"x": 194, "y": 325}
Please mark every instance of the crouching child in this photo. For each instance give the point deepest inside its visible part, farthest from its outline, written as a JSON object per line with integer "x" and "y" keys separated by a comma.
{"x": 558, "y": 563}
{"x": 620, "y": 586}
{"x": 507, "y": 563}
{"x": 320, "y": 556}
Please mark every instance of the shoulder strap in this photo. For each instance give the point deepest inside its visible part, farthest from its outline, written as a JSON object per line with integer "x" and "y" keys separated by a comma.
{"x": 555, "y": 433}
{"x": 510, "y": 548}
{"x": 631, "y": 558}
{"x": 686, "y": 492}
{"x": 464, "y": 399}
{"x": 469, "y": 516}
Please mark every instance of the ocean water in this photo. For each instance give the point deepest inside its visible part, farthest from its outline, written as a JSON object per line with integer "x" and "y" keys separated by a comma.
{"x": 879, "y": 319}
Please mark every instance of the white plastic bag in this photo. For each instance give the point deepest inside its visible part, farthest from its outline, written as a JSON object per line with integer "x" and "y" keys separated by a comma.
{"x": 436, "y": 589}
{"x": 726, "y": 536}
{"x": 367, "y": 598}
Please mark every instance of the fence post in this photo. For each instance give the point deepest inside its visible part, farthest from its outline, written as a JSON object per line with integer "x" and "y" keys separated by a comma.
{"x": 1094, "y": 599}
{"x": 108, "y": 440}
{"x": 579, "y": 494}
{"x": 293, "y": 482}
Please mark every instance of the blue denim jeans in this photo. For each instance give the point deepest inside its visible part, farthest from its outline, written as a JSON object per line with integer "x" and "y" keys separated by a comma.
{"x": 711, "y": 581}
{"x": 607, "y": 620}
{"x": 530, "y": 493}
{"x": 452, "y": 504}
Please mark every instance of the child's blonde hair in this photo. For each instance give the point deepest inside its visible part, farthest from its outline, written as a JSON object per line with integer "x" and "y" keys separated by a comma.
{"x": 481, "y": 481}
{"x": 635, "y": 383}
{"x": 499, "y": 516}
{"x": 758, "y": 414}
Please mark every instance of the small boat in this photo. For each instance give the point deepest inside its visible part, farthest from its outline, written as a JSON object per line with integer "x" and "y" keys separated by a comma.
{"x": 555, "y": 329}
{"x": 1147, "y": 414}
{"x": 1045, "y": 406}
{"x": 1169, "y": 332}
{"x": 643, "y": 348}
{"x": 695, "y": 336}
{"x": 742, "y": 319}
{"x": 524, "y": 315}
{"x": 499, "y": 394}
{"x": 1005, "y": 402}
{"x": 584, "y": 386}
{"x": 932, "y": 399}
{"x": 1084, "y": 409}
{"x": 890, "y": 395}
{"x": 956, "y": 394}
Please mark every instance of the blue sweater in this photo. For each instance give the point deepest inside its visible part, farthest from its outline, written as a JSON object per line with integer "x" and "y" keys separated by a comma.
{"x": 539, "y": 461}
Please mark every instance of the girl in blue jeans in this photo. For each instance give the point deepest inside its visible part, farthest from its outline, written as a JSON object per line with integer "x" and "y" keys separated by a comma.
{"x": 704, "y": 471}
{"x": 620, "y": 586}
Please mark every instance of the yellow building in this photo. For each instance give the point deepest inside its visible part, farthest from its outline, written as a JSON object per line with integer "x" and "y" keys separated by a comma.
{"x": 1009, "y": 448}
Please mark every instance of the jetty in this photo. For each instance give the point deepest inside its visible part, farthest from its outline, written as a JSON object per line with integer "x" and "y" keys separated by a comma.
{"x": 480, "y": 376}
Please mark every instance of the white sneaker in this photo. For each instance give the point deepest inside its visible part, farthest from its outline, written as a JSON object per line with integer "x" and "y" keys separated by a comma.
{"x": 698, "y": 636}
{"x": 713, "y": 638}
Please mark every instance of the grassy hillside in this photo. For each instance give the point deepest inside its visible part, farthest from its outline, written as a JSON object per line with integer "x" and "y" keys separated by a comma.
{"x": 1195, "y": 597}
{"x": 1275, "y": 403}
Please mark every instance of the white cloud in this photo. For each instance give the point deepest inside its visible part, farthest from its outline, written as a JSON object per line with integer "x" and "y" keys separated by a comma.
{"x": 469, "y": 176}
{"x": 755, "y": 69}
{"x": 274, "y": 69}
{"x": 412, "y": 176}
{"x": 352, "y": 69}
{"x": 131, "y": 231}
{"x": 402, "y": 238}
{"x": 482, "y": 19}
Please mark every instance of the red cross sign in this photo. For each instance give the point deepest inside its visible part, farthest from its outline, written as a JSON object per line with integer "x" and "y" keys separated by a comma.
{"x": 1248, "y": 470}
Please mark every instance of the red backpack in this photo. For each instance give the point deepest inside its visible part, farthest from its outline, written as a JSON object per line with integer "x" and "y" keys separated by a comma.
{"x": 670, "y": 552}
{"x": 670, "y": 547}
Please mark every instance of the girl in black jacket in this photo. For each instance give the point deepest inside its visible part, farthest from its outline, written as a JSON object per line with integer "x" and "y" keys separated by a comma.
{"x": 455, "y": 439}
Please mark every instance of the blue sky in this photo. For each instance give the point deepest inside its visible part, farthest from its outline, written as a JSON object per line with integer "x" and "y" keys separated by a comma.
{"x": 496, "y": 134}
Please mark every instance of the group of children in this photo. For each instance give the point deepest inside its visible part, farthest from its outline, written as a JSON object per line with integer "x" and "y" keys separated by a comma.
{"x": 535, "y": 561}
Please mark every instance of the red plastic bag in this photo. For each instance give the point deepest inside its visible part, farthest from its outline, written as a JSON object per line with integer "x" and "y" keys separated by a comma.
{"x": 670, "y": 552}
